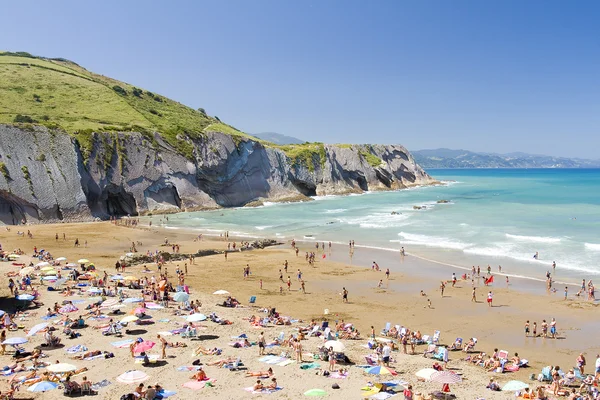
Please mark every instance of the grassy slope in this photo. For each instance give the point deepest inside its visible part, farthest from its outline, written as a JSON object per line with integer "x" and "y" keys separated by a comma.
{"x": 59, "y": 93}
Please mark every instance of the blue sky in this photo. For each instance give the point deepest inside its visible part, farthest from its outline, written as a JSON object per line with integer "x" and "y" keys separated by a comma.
{"x": 481, "y": 75}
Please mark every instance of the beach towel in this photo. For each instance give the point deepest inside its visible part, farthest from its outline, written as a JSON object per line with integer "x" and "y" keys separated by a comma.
{"x": 190, "y": 368}
{"x": 100, "y": 385}
{"x": 310, "y": 366}
{"x": 337, "y": 375}
{"x": 381, "y": 396}
{"x": 122, "y": 343}
{"x": 263, "y": 391}
{"x": 164, "y": 320}
{"x": 76, "y": 349}
{"x": 94, "y": 357}
{"x": 286, "y": 362}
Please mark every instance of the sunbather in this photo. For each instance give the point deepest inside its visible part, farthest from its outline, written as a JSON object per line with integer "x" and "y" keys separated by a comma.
{"x": 200, "y": 375}
{"x": 266, "y": 373}
{"x": 86, "y": 355}
{"x": 273, "y": 384}
{"x": 222, "y": 362}
{"x": 176, "y": 344}
{"x": 469, "y": 345}
{"x": 258, "y": 386}
{"x": 206, "y": 351}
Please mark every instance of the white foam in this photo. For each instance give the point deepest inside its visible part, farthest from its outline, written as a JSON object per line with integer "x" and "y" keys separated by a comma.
{"x": 262, "y": 228}
{"x": 499, "y": 250}
{"x": 378, "y": 220}
{"x": 534, "y": 239}
{"x": 592, "y": 246}
{"x": 432, "y": 241}
{"x": 336, "y": 211}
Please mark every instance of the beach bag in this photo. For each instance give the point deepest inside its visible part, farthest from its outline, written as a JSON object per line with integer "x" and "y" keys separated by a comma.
{"x": 335, "y": 386}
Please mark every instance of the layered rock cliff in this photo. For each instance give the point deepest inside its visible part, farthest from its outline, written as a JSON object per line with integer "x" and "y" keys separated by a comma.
{"x": 47, "y": 176}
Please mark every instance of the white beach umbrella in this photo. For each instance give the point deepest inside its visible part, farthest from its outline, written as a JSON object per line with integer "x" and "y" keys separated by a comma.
{"x": 181, "y": 297}
{"x": 132, "y": 377}
{"x": 129, "y": 318}
{"x": 15, "y": 341}
{"x": 61, "y": 259}
{"x": 195, "y": 317}
{"x": 221, "y": 292}
{"x": 42, "y": 264}
{"x": 37, "y": 328}
{"x": 338, "y": 346}
{"x": 83, "y": 261}
{"x": 61, "y": 368}
{"x": 425, "y": 373}
{"x": 26, "y": 271}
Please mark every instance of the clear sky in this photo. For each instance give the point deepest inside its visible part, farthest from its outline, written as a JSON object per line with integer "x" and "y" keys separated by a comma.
{"x": 484, "y": 75}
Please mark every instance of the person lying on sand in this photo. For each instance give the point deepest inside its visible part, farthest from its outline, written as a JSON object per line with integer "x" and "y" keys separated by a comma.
{"x": 266, "y": 373}
{"x": 206, "y": 351}
{"x": 86, "y": 355}
{"x": 222, "y": 362}
{"x": 176, "y": 344}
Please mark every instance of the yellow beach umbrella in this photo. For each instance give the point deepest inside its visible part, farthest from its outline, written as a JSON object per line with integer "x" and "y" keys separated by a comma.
{"x": 48, "y": 268}
{"x": 130, "y": 278}
{"x": 13, "y": 256}
{"x": 26, "y": 271}
{"x": 49, "y": 272}
{"x": 129, "y": 318}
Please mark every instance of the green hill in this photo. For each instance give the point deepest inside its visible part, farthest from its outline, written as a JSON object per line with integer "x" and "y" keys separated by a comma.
{"x": 59, "y": 93}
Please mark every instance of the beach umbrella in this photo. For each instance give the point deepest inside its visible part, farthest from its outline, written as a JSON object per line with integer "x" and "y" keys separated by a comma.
{"x": 195, "y": 317}
{"x": 221, "y": 292}
{"x": 49, "y": 272}
{"x": 445, "y": 377}
{"x": 129, "y": 254}
{"x": 338, "y": 346}
{"x": 47, "y": 268}
{"x": 139, "y": 310}
{"x": 144, "y": 346}
{"x": 165, "y": 333}
{"x": 61, "y": 259}
{"x": 13, "y": 256}
{"x": 381, "y": 370}
{"x": 109, "y": 303}
{"x": 129, "y": 318}
{"x": 61, "y": 368}
{"x": 83, "y": 261}
{"x": 425, "y": 373}
{"x": 42, "y": 386}
{"x": 71, "y": 265}
{"x": 25, "y": 297}
{"x": 130, "y": 278}
{"x": 94, "y": 290}
{"x": 15, "y": 341}
{"x": 50, "y": 278}
{"x": 117, "y": 277}
{"x": 513, "y": 386}
{"x": 68, "y": 308}
{"x": 133, "y": 300}
{"x": 315, "y": 393}
{"x": 180, "y": 297}
{"x": 132, "y": 377}
{"x": 42, "y": 264}
{"x": 37, "y": 328}
{"x": 195, "y": 385}
{"x": 26, "y": 271}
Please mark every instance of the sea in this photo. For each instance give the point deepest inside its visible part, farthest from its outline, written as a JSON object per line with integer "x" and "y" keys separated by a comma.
{"x": 475, "y": 217}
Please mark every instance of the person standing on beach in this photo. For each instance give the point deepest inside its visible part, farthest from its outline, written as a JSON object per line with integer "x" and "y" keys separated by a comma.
{"x": 453, "y": 279}
{"x": 527, "y": 328}
{"x": 302, "y": 286}
{"x": 553, "y": 329}
{"x": 163, "y": 346}
{"x": 566, "y": 292}
{"x": 387, "y": 273}
{"x": 344, "y": 295}
{"x": 280, "y": 276}
{"x": 473, "y": 296}
{"x": 289, "y": 283}
{"x": 534, "y": 329}
{"x": 380, "y": 284}
{"x": 442, "y": 287}
{"x": 489, "y": 298}
{"x": 261, "y": 344}
{"x": 478, "y": 271}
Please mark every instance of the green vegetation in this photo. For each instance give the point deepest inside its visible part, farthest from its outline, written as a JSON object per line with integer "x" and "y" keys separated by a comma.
{"x": 27, "y": 177}
{"x": 372, "y": 159}
{"x": 4, "y": 171}
{"x": 305, "y": 154}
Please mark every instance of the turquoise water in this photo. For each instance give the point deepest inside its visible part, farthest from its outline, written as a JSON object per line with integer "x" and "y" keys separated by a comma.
{"x": 497, "y": 217}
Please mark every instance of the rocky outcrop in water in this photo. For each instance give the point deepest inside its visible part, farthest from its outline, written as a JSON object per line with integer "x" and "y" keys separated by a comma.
{"x": 46, "y": 176}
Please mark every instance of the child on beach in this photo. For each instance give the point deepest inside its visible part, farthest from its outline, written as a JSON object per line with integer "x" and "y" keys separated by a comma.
{"x": 527, "y": 328}
{"x": 534, "y": 329}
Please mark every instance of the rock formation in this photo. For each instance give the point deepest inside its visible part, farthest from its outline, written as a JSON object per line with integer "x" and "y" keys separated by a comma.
{"x": 46, "y": 176}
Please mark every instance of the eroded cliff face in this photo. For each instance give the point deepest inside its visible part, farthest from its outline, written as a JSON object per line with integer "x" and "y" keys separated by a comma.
{"x": 46, "y": 176}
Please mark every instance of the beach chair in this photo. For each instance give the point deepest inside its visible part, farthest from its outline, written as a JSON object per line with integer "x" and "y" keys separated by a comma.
{"x": 190, "y": 334}
{"x": 430, "y": 350}
{"x": 457, "y": 345}
{"x": 314, "y": 331}
{"x": 235, "y": 365}
{"x": 545, "y": 375}
{"x": 281, "y": 337}
{"x": 436, "y": 337}
{"x": 252, "y": 300}
{"x": 427, "y": 339}
{"x": 578, "y": 374}
{"x": 503, "y": 355}
{"x": 370, "y": 361}
{"x": 439, "y": 354}
{"x": 387, "y": 328}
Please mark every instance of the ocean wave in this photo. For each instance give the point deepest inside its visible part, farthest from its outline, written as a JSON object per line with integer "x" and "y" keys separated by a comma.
{"x": 592, "y": 246}
{"x": 432, "y": 241}
{"x": 502, "y": 250}
{"x": 535, "y": 239}
{"x": 336, "y": 211}
{"x": 378, "y": 220}
{"x": 262, "y": 228}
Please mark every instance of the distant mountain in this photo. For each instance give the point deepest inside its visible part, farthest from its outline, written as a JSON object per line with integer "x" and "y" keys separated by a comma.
{"x": 278, "y": 138}
{"x": 447, "y": 158}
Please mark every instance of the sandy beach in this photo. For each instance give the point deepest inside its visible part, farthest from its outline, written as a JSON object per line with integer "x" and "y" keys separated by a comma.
{"x": 397, "y": 301}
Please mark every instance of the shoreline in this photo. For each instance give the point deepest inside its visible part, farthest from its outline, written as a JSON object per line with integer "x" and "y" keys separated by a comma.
{"x": 398, "y": 301}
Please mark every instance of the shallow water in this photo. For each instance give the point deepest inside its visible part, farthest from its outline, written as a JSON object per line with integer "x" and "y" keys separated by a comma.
{"x": 496, "y": 217}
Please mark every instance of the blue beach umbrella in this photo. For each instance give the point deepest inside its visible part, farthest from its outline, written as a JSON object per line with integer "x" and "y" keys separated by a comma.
{"x": 14, "y": 341}
{"x": 513, "y": 386}
{"x": 180, "y": 297}
{"x": 42, "y": 386}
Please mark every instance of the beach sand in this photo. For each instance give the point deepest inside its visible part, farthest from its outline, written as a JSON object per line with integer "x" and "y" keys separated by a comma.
{"x": 398, "y": 302}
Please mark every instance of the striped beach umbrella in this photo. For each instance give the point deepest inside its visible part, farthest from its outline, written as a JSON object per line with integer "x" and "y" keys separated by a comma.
{"x": 445, "y": 377}
{"x": 381, "y": 370}
{"x": 133, "y": 376}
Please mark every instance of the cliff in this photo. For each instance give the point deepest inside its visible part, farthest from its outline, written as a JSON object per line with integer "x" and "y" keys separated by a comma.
{"x": 48, "y": 175}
